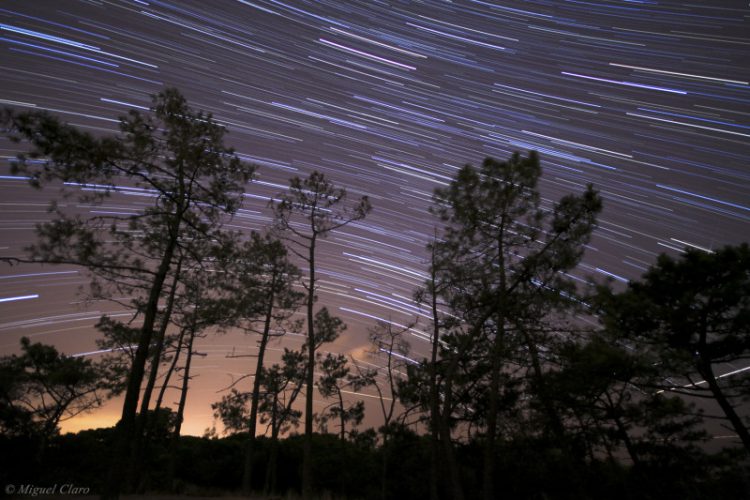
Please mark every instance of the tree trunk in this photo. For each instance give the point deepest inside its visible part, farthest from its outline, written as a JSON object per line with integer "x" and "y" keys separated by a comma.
{"x": 439, "y": 419}
{"x": 307, "y": 449}
{"x": 706, "y": 370}
{"x": 342, "y": 417}
{"x": 454, "y": 478}
{"x": 119, "y": 464}
{"x": 247, "y": 476}
{"x": 159, "y": 349}
{"x": 387, "y": 416}
{"x": 172, "y": 469}
{"x": 172, "y": 367}
{"x": 555, "y": 423}
{"x": 185, "y": 385}
{"x": 626, "y": 440}
{"x": 384, "y": 469}
{"x": 141, "y": 423}
{"x": 488, "y": 479}
{"x": 273, "y": 454}
{"x": 434, "y": 392}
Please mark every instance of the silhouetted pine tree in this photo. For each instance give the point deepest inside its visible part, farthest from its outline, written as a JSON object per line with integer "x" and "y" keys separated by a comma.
{"x": 308, "y": 212}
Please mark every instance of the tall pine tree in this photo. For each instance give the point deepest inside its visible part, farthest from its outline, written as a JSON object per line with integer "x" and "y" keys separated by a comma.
{"x": 507, "y": 253}
{"x": 308, "y": 212}
{"x": 175, "y": 158}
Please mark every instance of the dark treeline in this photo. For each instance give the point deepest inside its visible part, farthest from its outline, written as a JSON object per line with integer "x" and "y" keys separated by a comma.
{"x": 539, "y": 382}
{"x": 525, "y": 468}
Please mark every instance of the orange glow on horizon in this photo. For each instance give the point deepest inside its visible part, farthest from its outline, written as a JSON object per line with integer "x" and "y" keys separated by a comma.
{"x": 109, "y": 416}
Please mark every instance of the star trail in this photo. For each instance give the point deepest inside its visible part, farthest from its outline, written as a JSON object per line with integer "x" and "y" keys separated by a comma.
{"x": 648, "y": 100}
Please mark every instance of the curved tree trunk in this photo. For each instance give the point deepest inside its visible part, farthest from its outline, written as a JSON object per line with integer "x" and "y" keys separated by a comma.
{"x": 706, "y": 370}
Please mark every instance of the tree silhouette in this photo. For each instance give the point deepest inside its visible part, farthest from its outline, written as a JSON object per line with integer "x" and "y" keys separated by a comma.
{"x": 691, "y": 314}
{"x": 387, "y": 340}
{"x": 440, "y": 381}
{"x": 281, "y": 385}
{"x": 233, "y": 411}
{"x": 260, "y": 298}
{"x": 506, "y": 254}
{"x": 177, "y": 158}
{"x": 42, "y": 387}
{"x": 509, "y": 389}
{"x": 315, "y": 201}
{"x": 336, "y": 378}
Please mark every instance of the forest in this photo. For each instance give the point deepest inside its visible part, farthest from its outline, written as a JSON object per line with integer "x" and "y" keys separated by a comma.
{"x": 538, "y": 384}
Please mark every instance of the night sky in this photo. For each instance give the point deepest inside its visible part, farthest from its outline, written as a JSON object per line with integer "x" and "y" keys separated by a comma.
{"x": 648, "y": 100}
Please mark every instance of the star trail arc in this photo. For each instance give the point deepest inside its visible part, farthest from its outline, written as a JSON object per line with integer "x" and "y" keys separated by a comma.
{"x": 649, "y": 101}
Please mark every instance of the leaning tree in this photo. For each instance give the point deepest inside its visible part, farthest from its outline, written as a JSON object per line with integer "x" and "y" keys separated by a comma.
{"x": 692, "y": 316}
{"x": 174, "y": 159}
